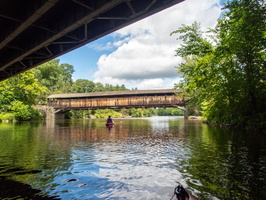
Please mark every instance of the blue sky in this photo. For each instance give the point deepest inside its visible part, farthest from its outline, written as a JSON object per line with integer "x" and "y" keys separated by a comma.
{"x": 142, "y": 55}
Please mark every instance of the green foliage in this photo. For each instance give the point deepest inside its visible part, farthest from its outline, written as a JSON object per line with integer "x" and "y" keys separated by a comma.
{"x": 194, "y": 43}
{"x": 78, "y": 114}
{"x": 23, "y": 87}
{"x": 133, "y": 112}
{"x": 136, "y": 112}
{"x": 23, "y": 111}
{"x": 57, "y": 78}
{"x": 18, "y": 95}
{"x": 148, "y": 112}
{"x": 20, "y": 110}
{"x": 124, "y": 112}
{"x": 141, "y": 112}
{"x": 110, "y": 87}
{"x": 6, "y": 116}
{"x": 83, "y": 86}
{"x": 106, "y": 112}
{"x": 99, "y": 87}
{"x": 169, "y": 112}
{"x": 245, "y": 22}
{"x": 228, "y": 79}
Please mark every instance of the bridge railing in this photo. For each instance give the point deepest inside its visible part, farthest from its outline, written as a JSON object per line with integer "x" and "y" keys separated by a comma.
{"x": 119, "y": 102}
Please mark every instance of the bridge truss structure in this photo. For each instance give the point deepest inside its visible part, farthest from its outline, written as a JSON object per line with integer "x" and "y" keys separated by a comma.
{"x": 36, "y": 31}
{"x": 117, "y": 100}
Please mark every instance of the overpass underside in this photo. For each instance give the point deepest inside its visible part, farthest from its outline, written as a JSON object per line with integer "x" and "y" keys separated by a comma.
{"x": 36, "y": 31}
{"x": 117, "y": 103}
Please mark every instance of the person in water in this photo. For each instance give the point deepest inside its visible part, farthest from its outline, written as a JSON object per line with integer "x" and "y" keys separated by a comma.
{"x": 109, "y": 120}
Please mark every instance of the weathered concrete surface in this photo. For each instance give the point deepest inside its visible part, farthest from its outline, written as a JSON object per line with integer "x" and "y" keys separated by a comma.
{"x": 47, "y": 111}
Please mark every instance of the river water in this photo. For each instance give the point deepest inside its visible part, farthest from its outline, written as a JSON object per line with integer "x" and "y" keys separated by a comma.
{"x": 144, "y": 158}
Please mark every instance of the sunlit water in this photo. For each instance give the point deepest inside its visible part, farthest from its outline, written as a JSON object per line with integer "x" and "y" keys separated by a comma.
{"x": 136, "y": 159}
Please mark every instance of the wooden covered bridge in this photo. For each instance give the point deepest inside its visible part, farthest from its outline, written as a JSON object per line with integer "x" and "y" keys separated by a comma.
{"x": 116, "y": 100}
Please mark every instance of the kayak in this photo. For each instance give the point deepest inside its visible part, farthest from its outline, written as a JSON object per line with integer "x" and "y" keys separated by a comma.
{"x": 110, "y": 124}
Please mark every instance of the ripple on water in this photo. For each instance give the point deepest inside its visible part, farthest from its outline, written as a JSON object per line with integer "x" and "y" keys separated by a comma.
{"x": 137, "y": 161}
{"x": 122, "y": 172}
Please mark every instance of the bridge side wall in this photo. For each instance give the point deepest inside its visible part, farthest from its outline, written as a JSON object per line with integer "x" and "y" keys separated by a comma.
{"x": 119, "y": 102}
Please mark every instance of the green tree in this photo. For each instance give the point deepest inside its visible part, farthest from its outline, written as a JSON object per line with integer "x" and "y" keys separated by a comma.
{"x": 19, "y": 94}
{"x": 99, "y": 87}
{"x": 192, "y": 50}
{"x": 228, "y": 79}
{"x": 54, "y": 76}
{"x": 83, "y": 86}
{"x": 106, "y": 112}
{"x": 242, "y": 34}
{"x": 169, "y": 112}
{"x": 193, "y": 41}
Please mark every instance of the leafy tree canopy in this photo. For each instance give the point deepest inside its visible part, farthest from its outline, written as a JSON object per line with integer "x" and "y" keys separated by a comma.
{"x": 227, "y": 78}
{"x": 54, "y": 76}
{"x": 19, "y": 94}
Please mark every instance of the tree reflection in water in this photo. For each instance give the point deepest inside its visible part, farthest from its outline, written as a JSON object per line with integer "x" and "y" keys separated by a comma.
{"x": 138, "y": 158}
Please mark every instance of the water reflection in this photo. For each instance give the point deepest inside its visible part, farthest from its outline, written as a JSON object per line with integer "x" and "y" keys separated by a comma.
{"x": 136, "y": 159}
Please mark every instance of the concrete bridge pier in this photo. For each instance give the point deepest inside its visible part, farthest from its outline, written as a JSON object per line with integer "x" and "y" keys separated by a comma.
{"x": 47, "y": 111}
{"x": 50, "y": 113}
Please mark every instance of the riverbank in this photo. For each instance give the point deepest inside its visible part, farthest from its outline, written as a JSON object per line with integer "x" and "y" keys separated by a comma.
{"x": 253, "y": 127}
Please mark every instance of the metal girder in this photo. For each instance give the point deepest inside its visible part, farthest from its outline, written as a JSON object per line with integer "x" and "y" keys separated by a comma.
{"x": 36, "y": 15}
{"x": 34, "y": 32}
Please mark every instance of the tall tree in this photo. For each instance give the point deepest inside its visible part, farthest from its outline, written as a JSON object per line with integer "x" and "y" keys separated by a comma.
{"x": 193, "y": 41}
{"x": 56, "y": 77}
{"x": 228, "y": 79}
{"x": 242, "y": 33}
{"x": 192, "y": 50}
{"x": 83, "y": 86}
{"x": 99, "y": 87}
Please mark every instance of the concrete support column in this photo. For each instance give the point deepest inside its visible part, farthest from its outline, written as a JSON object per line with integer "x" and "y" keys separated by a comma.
{"x": 47, "y": 111}
{"x": 50, "y": 114}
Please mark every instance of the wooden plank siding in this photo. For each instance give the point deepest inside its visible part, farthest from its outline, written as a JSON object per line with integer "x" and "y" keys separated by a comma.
{"x": 117, "y": 102}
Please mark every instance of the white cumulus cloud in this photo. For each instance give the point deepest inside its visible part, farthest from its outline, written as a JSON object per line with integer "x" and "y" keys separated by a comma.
{"x": 144, "y": 55}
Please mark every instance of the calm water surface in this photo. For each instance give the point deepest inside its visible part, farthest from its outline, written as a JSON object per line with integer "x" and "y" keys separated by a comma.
{"x": 136, "y": 159}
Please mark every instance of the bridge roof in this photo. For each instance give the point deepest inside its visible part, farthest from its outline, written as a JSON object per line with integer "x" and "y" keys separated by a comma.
{"x": 36, "y": 31}
{"x": 115, "y": 94}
